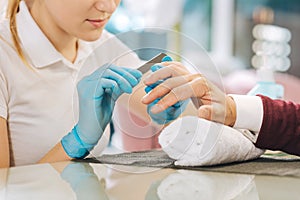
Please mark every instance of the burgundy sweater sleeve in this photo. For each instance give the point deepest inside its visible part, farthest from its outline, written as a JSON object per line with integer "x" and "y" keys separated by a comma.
{"x": 280, "y": 127}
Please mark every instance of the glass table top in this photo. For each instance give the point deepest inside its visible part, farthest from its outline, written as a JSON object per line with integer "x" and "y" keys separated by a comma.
{"x": 77, "y": 180}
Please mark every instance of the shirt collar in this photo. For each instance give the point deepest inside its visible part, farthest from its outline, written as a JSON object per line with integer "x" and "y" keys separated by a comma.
{"x": 36, "y": 45}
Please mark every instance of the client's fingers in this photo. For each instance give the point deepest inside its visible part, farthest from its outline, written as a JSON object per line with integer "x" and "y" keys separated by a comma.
{"x": 214, "y": 112}
{"x": 170, "y": 69}
{"x": 184, "y": 89}
{"x": 166, "y": 87}
{"x": 205, "y": 112}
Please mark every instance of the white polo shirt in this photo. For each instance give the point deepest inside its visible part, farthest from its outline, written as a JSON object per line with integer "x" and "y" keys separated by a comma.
{"x": 40, "y": 104}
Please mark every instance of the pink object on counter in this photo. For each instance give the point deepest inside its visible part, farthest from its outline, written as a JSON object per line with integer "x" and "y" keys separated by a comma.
{"x": 137, "y": 134}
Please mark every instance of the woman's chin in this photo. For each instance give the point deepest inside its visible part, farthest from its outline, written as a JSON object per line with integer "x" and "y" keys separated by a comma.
{"x": 93, "y": 36}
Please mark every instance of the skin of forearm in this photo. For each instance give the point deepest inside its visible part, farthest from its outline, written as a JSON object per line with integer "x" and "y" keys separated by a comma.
{"x": 4, "y": 145}
{"x": 56, "y": 154}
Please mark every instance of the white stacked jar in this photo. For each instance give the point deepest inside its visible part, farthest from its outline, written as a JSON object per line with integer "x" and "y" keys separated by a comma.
{"x": 271, "y": 50}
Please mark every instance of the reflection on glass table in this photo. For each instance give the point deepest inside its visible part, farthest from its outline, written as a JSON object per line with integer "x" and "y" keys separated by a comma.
{"x": 46, "y": 181}
{"x": 75, "y": 180}
{"x": 202, "y": 185}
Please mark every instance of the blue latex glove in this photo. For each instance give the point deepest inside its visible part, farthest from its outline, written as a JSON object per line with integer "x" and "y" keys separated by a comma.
{"x": 97, "y": 95}
{"x": 170, "y": 113}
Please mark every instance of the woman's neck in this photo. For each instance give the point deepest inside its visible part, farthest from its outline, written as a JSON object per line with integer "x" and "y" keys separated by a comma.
{"x": 64, "y": 43}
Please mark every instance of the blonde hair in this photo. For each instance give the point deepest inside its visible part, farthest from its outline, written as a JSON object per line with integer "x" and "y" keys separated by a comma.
{"x": 12, "y": 10}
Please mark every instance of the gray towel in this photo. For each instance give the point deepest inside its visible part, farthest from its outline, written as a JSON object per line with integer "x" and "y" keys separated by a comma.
{"x": 278, "y": 165}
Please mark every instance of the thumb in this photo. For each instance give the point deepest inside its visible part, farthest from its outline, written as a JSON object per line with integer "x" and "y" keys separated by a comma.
{"x": 205, "y": 112}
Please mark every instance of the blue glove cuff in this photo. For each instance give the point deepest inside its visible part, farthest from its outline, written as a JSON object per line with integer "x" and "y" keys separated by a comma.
{"x": 74, "y": 147}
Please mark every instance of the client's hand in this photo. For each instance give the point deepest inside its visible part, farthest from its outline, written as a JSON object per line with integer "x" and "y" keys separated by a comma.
{"x": 179, "y": 85}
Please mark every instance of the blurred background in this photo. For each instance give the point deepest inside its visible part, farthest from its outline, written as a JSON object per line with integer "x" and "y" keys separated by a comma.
{"x": 222, "y": 27}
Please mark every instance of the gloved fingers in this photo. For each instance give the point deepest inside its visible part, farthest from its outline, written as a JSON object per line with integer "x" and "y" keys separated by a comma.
{"x": 110, "y": 87}
{"x": 160, "y": 118}
{"x": 156, "y": 67}
{"x": 167, "y": 59}
{"x": 169, "y": 114}
{"x": 148, "y": 89}
{"x": 136, "y": 73}
{"x": 126, "y": 75}
{"x": 178, "y": 104}
{"x": 171, "y": 111}
{"x": 149, "y": 106}
{"x": 123, "y": 76}
{"x": 153, "y": 104}
{"x": 122, "y": 82}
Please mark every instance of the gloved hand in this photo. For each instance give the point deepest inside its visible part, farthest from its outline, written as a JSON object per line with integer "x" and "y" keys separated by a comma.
{"x": 97, "y": 95}
{"x": 171, "y": 112}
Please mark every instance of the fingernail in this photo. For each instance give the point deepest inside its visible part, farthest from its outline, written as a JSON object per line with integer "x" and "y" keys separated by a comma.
{"x": 156, "y": 109}
{"x": 144, "y": 98}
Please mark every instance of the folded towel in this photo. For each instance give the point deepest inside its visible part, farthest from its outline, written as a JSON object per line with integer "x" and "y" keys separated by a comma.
{"x": 193, "y": 141}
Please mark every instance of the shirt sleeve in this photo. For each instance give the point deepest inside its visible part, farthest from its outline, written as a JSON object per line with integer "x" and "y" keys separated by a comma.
{"x": 3, "y": 97}
{"x": 249, "y": 112}
{"x": 280, "y": 127}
